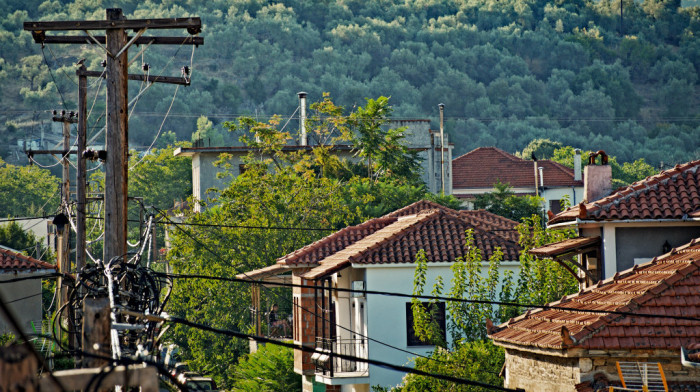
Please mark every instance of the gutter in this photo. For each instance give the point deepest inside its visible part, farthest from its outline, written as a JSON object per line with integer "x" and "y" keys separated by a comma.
{"x": 579, "y": 221}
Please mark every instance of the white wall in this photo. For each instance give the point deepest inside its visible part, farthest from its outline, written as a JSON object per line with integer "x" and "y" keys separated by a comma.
{"x": 23, "y": 301}
{"x": 386, "y": 315}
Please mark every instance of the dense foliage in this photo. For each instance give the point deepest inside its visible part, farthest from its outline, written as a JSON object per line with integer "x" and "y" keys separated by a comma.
{"x": 282, "y": 202}
{"x": 27, "y": 190}
{"x": 509, "y": 71}
{"x": 469, "y": 353}
{"x": 270, "y": 369}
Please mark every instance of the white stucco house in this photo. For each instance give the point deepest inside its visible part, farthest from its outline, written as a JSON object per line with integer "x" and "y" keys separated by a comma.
{"x": 378, "y": 254}
{"x": 633, "y": 224}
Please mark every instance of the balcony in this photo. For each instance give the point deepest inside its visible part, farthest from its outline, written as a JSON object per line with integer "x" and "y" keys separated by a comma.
{"x": 332, "y": 370}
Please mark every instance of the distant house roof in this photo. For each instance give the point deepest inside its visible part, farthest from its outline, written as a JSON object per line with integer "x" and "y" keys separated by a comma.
{"x": 671, "y": 194}
{"x": 16, "y": 262}
{"x": 484, "y": 166}
{"x": 439, "y": 233}
{"x": 667, "y": 285}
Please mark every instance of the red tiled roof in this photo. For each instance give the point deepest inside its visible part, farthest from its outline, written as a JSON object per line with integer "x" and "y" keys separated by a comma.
{"x": 418, "y": 207}
{"x": 671, "y": 194}
{"x": 317, "y": 251}
{"x": 484, "y": 166}
{"x": 441, "y": 234}
{"x": 667, "y": 285}
{"x": 13, "y": 261}
{"x": 494, "y": 223}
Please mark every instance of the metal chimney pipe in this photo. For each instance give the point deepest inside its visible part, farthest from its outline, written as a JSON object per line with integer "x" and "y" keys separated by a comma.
{"x": 302, "y": 118}
{"x": 442, "y": 145}
{"x": 577, "y": 165}
{"x": 541, "y": 176}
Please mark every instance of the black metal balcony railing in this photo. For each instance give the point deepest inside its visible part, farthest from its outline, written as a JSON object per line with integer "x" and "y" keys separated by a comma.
{"x": 328, "y": 363}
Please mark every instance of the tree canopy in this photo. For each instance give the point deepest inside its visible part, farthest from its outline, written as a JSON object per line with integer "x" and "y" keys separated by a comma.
{"x": 509, "y": 71}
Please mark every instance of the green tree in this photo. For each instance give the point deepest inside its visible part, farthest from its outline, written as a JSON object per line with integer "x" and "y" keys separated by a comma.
{"x": 384, "y": 152}
{"x": 207, "y": 134}
{"x": 12, "y": 235}
{"x": 504, "y": 202}
{"x": 478, "y": 360}
{"x": 27, "y": 190}
{"x": 270, "y": 369}
{"x": 540, "y": 148}
{"x": 160, "y": 177}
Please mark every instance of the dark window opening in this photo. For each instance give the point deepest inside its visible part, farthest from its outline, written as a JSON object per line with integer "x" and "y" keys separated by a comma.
{"x": 555, "y": 206}
{"x": 436, "y": 310}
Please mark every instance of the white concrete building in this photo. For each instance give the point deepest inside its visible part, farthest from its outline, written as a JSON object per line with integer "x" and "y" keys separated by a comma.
{"x": 376, "y": 255}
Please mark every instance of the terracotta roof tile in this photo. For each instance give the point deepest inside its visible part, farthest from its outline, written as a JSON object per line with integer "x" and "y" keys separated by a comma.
{"x": 313, "y": 253}
{"x": 667, "y": 285}
{"x": 441, "y": 234}
{"x": 12, "y": 261}
{"x": 484, "y": 166}
{"x": 671, "y": 194}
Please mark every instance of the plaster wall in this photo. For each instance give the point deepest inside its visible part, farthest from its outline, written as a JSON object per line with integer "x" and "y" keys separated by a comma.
{"x": 647, "y": 242}
{"x": 23, "y": 301}
{"x": 386, "y": 315}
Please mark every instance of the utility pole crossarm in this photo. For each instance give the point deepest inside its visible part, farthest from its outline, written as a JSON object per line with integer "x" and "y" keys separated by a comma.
{"x": 148, "y": 40}
{"x": 193, "y": 25}
{"x": 149, "y": 78}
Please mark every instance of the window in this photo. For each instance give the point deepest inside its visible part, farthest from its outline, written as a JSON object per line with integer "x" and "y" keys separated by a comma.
{"x": 555, "y": 206}
{"x": 411, "y": 338}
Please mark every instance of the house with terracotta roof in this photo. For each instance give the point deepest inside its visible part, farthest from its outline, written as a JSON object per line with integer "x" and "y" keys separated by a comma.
{"x": 477, "y": 171}
{"x": 378, "y": 254}
{"x": 24, "y": 296}
{"x": 633, "y": 224}
{"x": 645, "y": 313}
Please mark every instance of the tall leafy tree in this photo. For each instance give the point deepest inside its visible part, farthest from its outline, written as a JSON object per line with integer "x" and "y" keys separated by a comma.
{"x": 27, "y": 190}
{"x": 504, "y": 202}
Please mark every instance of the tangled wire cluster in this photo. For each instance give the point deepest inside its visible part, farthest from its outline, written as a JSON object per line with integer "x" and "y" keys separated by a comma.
{"x": 133, "y": 288}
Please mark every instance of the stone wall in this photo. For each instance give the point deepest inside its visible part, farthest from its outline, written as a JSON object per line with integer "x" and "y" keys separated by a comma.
{"x": 539, "y": 373}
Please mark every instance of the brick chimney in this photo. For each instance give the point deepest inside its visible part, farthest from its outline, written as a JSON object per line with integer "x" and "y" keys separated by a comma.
{"x": 597, "y": 178}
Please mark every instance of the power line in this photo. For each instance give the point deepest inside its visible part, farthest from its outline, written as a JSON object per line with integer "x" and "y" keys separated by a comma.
{"x": 63, "y": 101}
{"x": 314, "y": 314}
{"x": 262, "y": 339}
{"x": 429, "y": 297}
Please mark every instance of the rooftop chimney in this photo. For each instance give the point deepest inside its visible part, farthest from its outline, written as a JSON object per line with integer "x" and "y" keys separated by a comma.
{"x": 302, "y": 118}
{"x": 598, "y": 182}
{"x": 442, "y": 146}
{"x": 577, "y": 165}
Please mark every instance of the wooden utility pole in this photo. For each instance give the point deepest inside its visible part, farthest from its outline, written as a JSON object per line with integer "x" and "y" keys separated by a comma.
{"x": 81, "y": 173}
{"x": 64, "y": 264}
{"x": 117, "y": 144}
{"x": 117, "y": 43}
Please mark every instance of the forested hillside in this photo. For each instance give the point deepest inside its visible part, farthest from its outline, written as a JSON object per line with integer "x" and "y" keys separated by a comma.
{"x": 508, "y": 71}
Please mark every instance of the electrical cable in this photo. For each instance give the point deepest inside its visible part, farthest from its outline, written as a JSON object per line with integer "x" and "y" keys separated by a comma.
{"x": 314, "y": 314}
{"x": 55, "y": 59}
{"x": 63, "y": 101}
{"x": 160, "y": 129}
{"x": 262, "y": 339}
{"x": 433, "y": 297}
{"x": 18, "y": 329}
{"x": 23, "y": 298}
